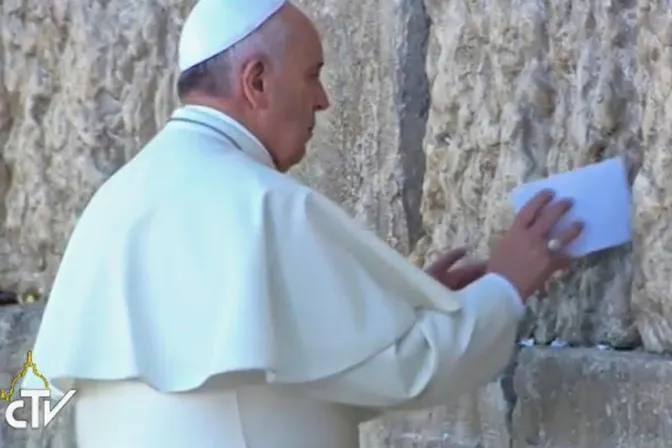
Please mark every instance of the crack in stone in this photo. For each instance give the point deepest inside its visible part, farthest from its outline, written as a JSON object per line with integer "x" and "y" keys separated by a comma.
{"x": 509, "y": 392}
{"x": 413, "y": 105}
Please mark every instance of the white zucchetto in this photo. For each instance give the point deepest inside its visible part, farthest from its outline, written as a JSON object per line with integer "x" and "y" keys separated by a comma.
{"x": 213, "y": 26}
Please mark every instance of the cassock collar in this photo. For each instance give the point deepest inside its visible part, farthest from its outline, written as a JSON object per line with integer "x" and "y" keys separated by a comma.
{"x": 228, "y": 129}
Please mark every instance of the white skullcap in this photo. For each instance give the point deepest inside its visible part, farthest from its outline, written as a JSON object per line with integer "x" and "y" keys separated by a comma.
{"x": 216, "y": 25}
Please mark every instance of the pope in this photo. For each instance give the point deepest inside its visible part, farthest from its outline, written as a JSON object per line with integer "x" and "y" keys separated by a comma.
{"x": 206, "y": 299}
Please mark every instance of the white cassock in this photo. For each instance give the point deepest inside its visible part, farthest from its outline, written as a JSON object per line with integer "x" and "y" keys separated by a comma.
{"x": 207, "y": 300}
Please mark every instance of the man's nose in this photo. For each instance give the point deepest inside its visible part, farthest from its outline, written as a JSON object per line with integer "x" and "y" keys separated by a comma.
{"x": 322, "y": 102}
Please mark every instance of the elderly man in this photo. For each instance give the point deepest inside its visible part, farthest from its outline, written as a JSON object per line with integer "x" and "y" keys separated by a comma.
{"x": 208, "y": 300}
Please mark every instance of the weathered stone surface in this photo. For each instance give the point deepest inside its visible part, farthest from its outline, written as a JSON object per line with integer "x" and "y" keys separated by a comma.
{"x": 367, "y": 154}
{"x": 653, "y": 185}
{"x": 475, "y": 420}
{"x": 18, "y": 328}
{"x": 82, "y": 86}
{"x": 590, "y": 398}
{"x": 524, "y": 89}
{"x": 564, "y": 398}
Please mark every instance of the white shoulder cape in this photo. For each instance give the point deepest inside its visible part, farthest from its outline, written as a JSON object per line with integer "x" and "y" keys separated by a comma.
{"x": 196, "y": 260}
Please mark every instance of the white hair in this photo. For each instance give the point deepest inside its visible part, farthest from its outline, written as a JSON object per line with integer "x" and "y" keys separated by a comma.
{"x": 216, "y": 75}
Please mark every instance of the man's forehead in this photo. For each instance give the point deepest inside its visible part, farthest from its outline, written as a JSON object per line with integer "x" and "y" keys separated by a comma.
{"x": 299, "y": 22}
{"x": 307, "y": 43}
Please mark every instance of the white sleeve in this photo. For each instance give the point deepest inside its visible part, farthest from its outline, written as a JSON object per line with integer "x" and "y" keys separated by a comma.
{"x": 443, "y": 356}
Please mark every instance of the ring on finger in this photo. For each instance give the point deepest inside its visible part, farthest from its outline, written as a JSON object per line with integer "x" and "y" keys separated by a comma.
{"x": 554, "y": 245}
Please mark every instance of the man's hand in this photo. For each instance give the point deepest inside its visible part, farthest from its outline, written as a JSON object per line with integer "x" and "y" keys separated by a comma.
{"x": 527, "y": 256}
{"x": 456, "y": 278}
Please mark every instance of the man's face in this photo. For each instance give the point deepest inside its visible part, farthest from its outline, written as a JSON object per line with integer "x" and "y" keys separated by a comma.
{"x": 295, "y": 94}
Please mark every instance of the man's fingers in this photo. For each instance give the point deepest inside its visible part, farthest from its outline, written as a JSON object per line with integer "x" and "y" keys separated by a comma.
{"x": 451, "y": 258}
{"x": 471, "y": 273}
{"x": 462, "y": 276}
{"x": 563, "y": 264}
{"x": 550, "y": 216}
{"x": 571, "y": 234}
{"x": 528, "y": 214}
{"x": 440, "y": 266}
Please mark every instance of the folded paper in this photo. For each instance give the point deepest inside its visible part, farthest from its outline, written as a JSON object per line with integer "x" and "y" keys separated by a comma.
{"x": 602, "y": 201}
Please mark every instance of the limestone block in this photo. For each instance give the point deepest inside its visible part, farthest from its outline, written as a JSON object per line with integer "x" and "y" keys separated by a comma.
{"x": 474, "y": 420}
{"x": 367, "y": 154}
{"x": 524, "y": 89}
{"x": 83, "y": 85}
{"x": 18, "y": 328}
{"x": 561, "y": 398}
{"x": 589, "y": 398}
{"x": 653, "y": 184}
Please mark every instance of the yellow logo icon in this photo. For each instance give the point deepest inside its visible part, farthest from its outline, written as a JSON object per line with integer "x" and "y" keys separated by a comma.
{"x": 41, "y": 410}
{"x": 8, "y": 394}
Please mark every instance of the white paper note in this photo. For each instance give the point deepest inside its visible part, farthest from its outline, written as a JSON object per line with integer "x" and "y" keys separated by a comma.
{"x": 602, "y": 201}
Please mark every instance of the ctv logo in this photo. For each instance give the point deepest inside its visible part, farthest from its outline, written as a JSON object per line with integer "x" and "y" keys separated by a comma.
{"x": 41, "y": 411}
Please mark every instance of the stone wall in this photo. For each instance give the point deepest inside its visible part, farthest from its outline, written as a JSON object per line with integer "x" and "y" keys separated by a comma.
{"x": 574, "y": 398}
{"x": 83, "y": 85}
{"x": 439, "y": 108}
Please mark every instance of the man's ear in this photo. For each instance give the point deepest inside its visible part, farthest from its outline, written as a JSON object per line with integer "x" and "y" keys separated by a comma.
{"x": 255, "y": 83}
